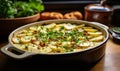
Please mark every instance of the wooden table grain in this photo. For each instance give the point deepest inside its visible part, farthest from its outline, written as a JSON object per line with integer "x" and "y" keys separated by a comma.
{"x": 110, "y": 62}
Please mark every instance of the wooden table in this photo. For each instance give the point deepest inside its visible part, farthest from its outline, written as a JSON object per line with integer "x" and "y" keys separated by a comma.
{"x": 110, "y": 62}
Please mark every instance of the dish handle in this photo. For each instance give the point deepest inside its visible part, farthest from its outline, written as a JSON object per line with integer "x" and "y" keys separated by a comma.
{"x": 14, "y": 52}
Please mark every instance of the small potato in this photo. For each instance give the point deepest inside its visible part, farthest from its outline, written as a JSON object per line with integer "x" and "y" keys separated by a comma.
{"x": 97, "y": 39}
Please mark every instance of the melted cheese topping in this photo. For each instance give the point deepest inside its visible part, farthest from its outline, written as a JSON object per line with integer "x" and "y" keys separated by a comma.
{"x": 57, "y": 38}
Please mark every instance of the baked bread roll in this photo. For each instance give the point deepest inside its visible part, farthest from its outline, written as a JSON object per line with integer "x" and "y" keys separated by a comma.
{"x": 73, "y": 15}
{"x": 45, "y": 16}
{"x": 56, "y": 15}
{"x": 51, "y": 15}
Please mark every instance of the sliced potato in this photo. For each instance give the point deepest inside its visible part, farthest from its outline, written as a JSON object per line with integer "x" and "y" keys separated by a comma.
{"x": 25, "y": 39}
{"x": 33, "y": 48}
{"x": 52, "y": 25}
{"x": 95, "y": 33}
{"x": 33, "y": 28}
{"x": 82, "y": 38}
{"x": 29, "y": 34}
{"x": 53, "y": 43}
{"x": 80, "y": 26}
{"x": 21, "y": 35}
{"x": 22, "y": 47}
{"x": 16, "y": 40}
{"x": 65, "y": 43}
{"x": 85, "y": 44}
{"x": 59, "y": 25}
{"x": 45, "y": 50}
{"x": 90, "y": 29}
{"x": 36, "y": 42}
{"x": 56, "y": 49}
{"x": 44, "y": 30}
{"x": 69, "y": 26}
{"x": 23, "y": 31}
{"x": 75, "y": 50}
{"x": 89, "y": 36}
{"x": 98, "y": 38}
{"x": 80, "y": 30}
{"x": 61, "y": 50}
{"x": 57, "y": 28}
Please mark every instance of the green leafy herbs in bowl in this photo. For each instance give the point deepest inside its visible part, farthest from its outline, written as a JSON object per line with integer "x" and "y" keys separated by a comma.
{"x": 14, "y": 14}
{"x": 16, "y": 9}
{"x": 116, "y": 30}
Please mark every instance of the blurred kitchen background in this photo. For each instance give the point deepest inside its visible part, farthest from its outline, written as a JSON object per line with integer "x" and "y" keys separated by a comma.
{"x": 71, "y": 5}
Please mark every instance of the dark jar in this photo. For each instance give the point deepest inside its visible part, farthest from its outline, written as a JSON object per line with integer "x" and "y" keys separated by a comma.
{"x": 98, "y": 13}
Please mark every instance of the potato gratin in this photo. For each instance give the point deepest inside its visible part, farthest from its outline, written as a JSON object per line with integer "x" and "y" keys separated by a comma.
{"x": 57, "y": 38}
